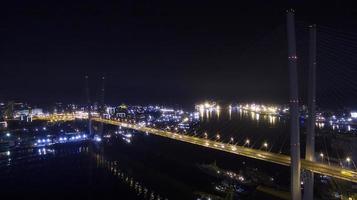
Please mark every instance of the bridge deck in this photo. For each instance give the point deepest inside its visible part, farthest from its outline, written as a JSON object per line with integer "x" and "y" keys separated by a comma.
{"x": 329, "y": 170}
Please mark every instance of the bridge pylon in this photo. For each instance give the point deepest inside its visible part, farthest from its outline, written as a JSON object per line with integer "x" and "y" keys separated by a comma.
{"x": 294, "y": 109}
{"x": 310, "y": 135}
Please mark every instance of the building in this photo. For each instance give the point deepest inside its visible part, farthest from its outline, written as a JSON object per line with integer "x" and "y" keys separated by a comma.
{"x": 28, "y": 113}
{"x": 3, "y": 125}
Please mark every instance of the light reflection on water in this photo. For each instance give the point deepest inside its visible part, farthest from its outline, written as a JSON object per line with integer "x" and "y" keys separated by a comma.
{"x": 30, "y": 155}
{"x": 271, "y": 119}
{"x": 38, "y": 157}
{"x": 208, "y": 114}
{"x": 136, "y": 186}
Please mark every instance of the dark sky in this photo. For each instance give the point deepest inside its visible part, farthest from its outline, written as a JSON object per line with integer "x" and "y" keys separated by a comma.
{"x": 157, "y": 51}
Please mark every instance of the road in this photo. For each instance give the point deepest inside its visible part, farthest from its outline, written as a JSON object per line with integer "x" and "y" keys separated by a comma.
{"x": 281, "y": 159}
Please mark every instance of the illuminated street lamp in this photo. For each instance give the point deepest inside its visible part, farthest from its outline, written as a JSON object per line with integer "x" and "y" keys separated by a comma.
{"x": 322, "y": 156}
{"x": 348, "y": 160}
{"x": 218, "y": 136}
{"x": 247, "y": 141}
{"x": 232, "y": 139}
{"x": 206, "y": 135}
{"x": 265, "y": 145}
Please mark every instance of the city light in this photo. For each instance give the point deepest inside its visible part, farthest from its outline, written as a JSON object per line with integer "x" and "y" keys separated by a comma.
{"x": 127, "y": 140}
{"x": 265, "y": 144}
{"x": 247, "y": 141}
{"x": 354, "y": 115}
{"x": 348, "y": 159}
{"x": 97, "y": 138}
{"x": 218, "y": 136}
{"x": 260, "y": 109}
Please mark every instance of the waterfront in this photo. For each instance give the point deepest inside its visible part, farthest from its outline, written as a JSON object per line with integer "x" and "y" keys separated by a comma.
{"x": 167, "y": 168}
{"x": 241, "y": 125}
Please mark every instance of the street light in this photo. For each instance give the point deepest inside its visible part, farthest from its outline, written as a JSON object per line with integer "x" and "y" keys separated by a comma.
{"x": 205, "y": 134}
{"x": 322, "y": 156}
{"x": 247, "y": 141}
{"x": 232, "y": 139}
{"x": 218, "y": 136}
{"x": 348, "y": 159}
{"x": 265, "y": 145}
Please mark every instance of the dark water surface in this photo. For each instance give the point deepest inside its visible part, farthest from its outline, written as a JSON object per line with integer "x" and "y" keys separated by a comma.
{"x": 62, "y": 174}
{"x": 149, "y": 167}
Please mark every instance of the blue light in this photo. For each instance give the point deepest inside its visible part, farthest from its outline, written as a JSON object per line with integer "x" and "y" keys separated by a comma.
{"x": 97, "y": 138}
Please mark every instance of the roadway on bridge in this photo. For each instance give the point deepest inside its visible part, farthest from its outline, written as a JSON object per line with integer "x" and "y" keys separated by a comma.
{"x": 329, "y": 170}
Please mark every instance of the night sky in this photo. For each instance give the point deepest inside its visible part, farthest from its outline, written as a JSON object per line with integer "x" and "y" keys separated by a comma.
{"x": 172, "y": 52}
